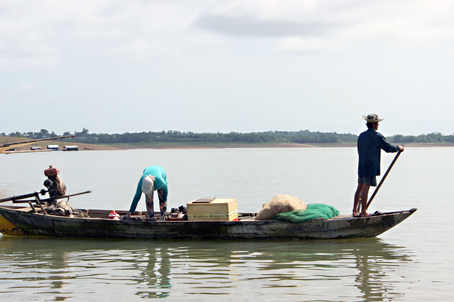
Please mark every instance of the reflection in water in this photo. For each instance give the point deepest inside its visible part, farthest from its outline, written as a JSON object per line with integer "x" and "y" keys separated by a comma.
{"x": 156, "y": 274}
{"x": 60, "y": 269}
{"x": 371, "y": 278}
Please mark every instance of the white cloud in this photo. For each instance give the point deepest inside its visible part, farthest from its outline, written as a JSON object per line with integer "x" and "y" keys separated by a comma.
{"x": 226, "y": 55}
{"x": 342, "y": 24}
{"x": 298, "y": 45}
{"x": 35, "y": 34}
{"x": 28, "y": 86}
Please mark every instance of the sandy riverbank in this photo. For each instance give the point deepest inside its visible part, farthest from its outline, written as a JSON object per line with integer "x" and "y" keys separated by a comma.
{"x": 219, "y": 146}
{"x": 224, "y": 146}
{"x": 233, "y": 145}
{"x": 85, "y": 147}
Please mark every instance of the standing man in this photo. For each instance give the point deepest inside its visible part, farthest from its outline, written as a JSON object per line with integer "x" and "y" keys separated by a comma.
{"x": 153, "y": 178}
{"x": 370, "y": 143}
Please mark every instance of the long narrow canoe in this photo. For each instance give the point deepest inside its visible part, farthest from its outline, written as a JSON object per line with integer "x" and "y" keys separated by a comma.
{"x": 98, "y": 225}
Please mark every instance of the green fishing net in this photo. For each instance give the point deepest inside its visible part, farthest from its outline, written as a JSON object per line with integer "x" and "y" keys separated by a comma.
{"x": 313, "y": 211}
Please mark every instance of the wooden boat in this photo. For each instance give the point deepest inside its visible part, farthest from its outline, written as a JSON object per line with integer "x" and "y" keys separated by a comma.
{"x": 97, "y": 224}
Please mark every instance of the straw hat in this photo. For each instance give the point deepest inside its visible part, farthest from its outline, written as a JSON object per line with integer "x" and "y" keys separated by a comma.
{"x": 372, "y": 118}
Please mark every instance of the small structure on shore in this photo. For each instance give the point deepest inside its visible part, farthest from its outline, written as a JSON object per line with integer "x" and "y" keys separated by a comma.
{"x": 70, "y": 148}
{"x": 52, "y": 147}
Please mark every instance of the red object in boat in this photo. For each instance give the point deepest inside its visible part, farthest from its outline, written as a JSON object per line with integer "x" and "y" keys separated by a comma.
{"x": 114, "y": 215}
{"x": 51, "y": 171}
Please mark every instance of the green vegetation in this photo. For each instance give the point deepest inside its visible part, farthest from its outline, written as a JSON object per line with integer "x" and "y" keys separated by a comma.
{"x": 171, "y": 137}
{"x": 435, "y": 137}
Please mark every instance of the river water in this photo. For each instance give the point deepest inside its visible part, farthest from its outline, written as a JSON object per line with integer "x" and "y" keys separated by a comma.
{"x": 411, "y": 262}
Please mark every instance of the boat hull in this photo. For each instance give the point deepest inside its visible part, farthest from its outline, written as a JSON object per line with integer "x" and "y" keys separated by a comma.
{"x": 7, "y": 228}
{"x": 335, "y": 228}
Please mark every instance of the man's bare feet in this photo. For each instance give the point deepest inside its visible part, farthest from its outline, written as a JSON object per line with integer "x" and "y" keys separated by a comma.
{"x": 365, "y": 214}
{"x": 355, "y": 214}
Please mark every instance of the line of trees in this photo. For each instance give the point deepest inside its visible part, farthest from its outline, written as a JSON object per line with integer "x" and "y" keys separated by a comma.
{"x": 434, "y": 137}
{"x": 171, "y": 136}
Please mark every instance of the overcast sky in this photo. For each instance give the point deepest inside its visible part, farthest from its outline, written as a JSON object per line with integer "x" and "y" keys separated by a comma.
{"x": 222, "y": 66}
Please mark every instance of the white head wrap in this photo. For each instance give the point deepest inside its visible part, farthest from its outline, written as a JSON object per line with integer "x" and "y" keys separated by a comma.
{"x": 148, "y": 184}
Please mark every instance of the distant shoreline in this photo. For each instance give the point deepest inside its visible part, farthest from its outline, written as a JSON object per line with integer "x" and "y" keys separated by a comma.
{"x": 251, "y": 145}
{"x": 280, "y": 145}
{"x": 94, "y": 147}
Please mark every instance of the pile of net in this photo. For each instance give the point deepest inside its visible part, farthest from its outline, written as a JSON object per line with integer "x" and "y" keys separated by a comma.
{"x": 280, "y": 203}
{"x": 313, "y": 211}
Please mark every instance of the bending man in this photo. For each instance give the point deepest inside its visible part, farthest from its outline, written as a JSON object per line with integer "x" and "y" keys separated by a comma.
{"x": 370, "y": 143}
{"x": 153, "y": 178}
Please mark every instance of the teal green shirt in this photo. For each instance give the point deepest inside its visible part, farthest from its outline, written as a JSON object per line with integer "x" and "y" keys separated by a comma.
{"x": 160, "y": 183}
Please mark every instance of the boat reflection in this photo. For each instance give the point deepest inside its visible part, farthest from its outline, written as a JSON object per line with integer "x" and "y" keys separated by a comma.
{"x": 357, "y": 269}
{"x": 155, "y": 275}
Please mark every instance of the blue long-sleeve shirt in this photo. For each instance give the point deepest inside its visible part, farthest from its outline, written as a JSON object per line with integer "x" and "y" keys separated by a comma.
{"x": 160, "y": 183}
{"x": 370, "y": 143}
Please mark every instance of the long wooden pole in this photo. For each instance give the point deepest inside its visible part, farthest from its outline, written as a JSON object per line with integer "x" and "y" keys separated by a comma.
{"x": 383, "y": 179}
{"x": 18, "y": 199}
{"x": 50, "y": 199}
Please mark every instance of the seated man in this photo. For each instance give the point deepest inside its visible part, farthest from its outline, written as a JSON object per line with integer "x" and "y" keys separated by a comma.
{"x": 153, "y": 178}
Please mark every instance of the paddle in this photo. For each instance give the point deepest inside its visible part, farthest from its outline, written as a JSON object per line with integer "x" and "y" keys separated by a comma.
{"x": 383, "y": 179}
